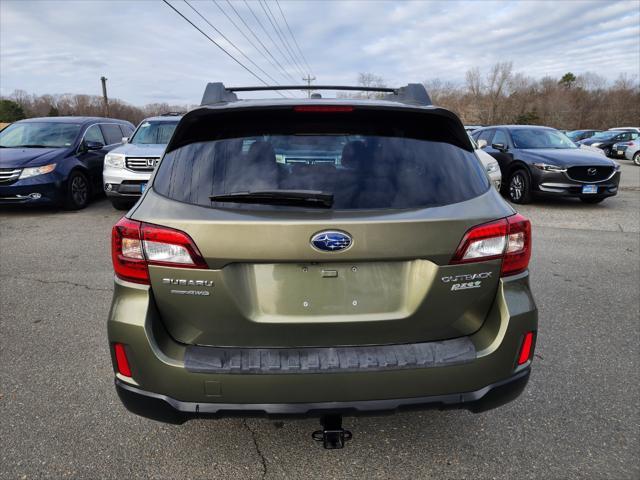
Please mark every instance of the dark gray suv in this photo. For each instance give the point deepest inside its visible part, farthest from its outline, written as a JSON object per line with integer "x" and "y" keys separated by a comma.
{"x": 541, "y": 161}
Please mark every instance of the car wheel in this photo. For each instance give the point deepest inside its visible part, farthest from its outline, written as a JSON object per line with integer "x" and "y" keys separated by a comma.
{"x": 519, "y": 187}
{"x": 592, "y": 199}
{"x": 120, "y": 204}
{"x": 78, "y": 191}
{"x": 636, "y": 158}
{"x": 607, "y": 151}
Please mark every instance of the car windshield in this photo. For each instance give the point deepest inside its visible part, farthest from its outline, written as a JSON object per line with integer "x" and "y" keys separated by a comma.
{"x": 341, "y": 171}
{"x": 605, "y": 135}
{"x": 534, "y": 138}
{"x": 39, "y": 134}
{"x": 576, "y": 134}
{"x": 154, "y": 132}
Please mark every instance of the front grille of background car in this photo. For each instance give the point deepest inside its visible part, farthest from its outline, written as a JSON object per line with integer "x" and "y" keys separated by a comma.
{"x": 140, "y": 164}
{"x": 9, "y": 174}
{"x": 581, "y": 174}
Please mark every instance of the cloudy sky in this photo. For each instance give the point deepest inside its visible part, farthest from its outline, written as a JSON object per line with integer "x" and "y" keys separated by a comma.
{"x": 150, "y": 54}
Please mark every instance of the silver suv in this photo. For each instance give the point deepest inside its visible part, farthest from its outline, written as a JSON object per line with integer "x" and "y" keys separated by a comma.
{"x": 128, "y": 168}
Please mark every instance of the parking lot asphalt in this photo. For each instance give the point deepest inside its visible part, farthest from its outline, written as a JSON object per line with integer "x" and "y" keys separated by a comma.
{"x": 578, "y": 418}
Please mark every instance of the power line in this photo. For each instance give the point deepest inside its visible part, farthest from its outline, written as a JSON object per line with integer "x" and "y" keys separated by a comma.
{"x": 260, "y": 41}
{"x": 265, "y": 31}
{"x": 304, "y": 59}
{"x": 283, "y": 38}
{"x": 216, "y": 43}
{"x": 276, "y": 28}
{"x": 230, "y": 42}
{"x": 274, "y": 65}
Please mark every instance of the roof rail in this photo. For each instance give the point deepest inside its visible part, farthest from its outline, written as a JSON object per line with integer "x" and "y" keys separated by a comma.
{"x": 413, "y": 93}
{"x": 171, "y": 114}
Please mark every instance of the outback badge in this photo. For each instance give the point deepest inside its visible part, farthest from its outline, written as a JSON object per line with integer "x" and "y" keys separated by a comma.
{"x": 331, "y": 241}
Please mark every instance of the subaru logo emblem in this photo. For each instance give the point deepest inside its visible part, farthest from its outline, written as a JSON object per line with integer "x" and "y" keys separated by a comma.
{"x": 591, "y": 171}
{"x": 331, "y": 241}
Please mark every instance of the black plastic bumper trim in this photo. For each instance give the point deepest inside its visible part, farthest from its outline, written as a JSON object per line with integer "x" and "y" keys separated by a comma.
{"x": 166, "y": 409}
{"x": 270, "y": 361}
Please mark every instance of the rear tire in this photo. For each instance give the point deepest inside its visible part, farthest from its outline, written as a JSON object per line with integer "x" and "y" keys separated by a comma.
{"x": 78, "y": 191}
{"x": 607, "y": 151}
{"x": 636, "y": 158}
{"x": 120, "y": 204}
{"x": 592, "y": 200}
{"x": 519, "y": 187}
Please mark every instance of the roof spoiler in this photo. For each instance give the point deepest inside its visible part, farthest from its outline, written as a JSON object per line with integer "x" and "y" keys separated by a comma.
{"x": 411, "y": 94}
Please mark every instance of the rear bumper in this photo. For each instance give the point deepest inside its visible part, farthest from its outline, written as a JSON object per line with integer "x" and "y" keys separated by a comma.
{"x": 167, "y": 378}
{"x": 166, "y": 409}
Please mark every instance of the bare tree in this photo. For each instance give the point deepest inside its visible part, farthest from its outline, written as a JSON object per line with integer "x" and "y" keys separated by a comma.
{"x": 498, "y": 96}
{"x": 497, "y": 84}
{"x": 370, "y": 80}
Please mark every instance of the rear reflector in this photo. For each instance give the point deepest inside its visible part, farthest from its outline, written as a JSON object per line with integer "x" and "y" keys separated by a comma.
{"x": 136, "y": 245}
{"x": 121, "y": 360}
{"x": 322, "y": 108}
{"x": 508, "y": 238}
{"x": 525, "y": 349}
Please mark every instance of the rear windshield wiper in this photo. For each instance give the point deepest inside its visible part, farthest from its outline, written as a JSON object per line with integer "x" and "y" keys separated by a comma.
{"x": 302, "y": 198}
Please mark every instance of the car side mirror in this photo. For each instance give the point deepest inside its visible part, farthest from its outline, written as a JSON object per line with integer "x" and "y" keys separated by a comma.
{"x": 125, "y": 139}
{"x": 481, "y": 143}
{"x": 89, "y": 145}
{"x": 499, "y": 146}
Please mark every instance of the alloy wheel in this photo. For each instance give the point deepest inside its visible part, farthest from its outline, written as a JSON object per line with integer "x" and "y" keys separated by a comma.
{"x": 79, "y": 190}
{"x": 516, "y": 187}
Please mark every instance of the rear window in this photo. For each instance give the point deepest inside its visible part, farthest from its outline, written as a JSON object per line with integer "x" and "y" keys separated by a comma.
{"x": 389, "y": 170}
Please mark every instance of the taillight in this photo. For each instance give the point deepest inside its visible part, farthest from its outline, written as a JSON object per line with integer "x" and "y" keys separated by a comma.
{"x": 525, "y": 348}
{"x": 166, "y": 246}
{"x": 508, "y": 238}
{"x": 135, "y": 245}
{"x": 126, "y": 252}
{"x": 518, "y": 252}
{"x": 323, "y": 108}
{"x": 122, "y": 363}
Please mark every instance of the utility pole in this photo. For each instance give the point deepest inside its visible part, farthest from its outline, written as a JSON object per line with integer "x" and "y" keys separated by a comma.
{"x": 308, "y": 79}
{"x": 104, "y": 96}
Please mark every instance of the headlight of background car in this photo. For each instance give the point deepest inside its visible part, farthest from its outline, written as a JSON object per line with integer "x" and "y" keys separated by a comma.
{"x": 597, "y": 144}
{"x": 549, "y": 168}
{"x": 114, "y": 160}
{"x": 33, "y": 171}
{"x": 493, "y": 167}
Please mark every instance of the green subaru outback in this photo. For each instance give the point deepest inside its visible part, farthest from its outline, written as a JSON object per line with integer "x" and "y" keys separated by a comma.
{"x": 320, "y": 257}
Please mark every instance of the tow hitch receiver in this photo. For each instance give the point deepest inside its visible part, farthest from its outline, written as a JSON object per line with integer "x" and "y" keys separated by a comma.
{"x": 332, "y": 434}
